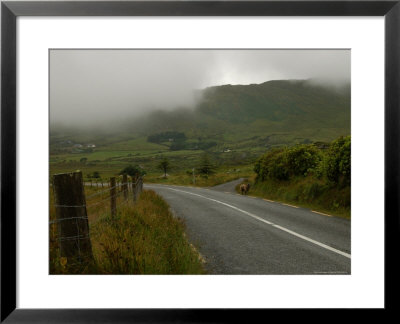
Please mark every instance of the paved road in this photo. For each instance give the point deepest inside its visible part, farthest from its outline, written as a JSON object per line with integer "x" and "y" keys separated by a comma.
{"x": 243, "y": 235}
{"x": 228, "y": 187}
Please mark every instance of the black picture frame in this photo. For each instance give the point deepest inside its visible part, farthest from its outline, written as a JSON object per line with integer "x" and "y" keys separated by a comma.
{"x": 9, "y": 13}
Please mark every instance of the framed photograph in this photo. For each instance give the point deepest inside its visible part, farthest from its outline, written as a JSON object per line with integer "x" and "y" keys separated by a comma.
{"x": 188, "y": 161}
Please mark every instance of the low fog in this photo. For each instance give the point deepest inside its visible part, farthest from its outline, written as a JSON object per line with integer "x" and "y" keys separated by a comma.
{"x": 90, "y": 87}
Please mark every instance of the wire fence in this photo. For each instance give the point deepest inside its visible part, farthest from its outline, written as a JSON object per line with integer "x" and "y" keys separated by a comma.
{"x": 75, "y": 203}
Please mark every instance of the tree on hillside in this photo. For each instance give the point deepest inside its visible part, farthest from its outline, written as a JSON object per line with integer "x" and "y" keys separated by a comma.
{"x": 272, "y": 164}
{"x": 338, "y": 162}
{"x": 96, "y": 174}
{"x": 167, "y": 137}
{"x": 164, "y": 165}
{"x": 133, "y": 171}
{"x": 178, "y": 145}
{"x": 301, "y": 159}
{"x": 206, "y": 167}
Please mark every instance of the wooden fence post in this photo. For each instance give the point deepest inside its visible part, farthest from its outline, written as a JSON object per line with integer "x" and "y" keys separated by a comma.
{"x": 125, "y": 186}
{"x": 137, "y": 187}
{"x": 134, "y": 179}
{"x": 71, "y": 217}
{"x": 113, "y": 196}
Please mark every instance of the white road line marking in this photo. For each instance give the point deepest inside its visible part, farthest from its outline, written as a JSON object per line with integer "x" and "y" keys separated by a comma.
{"x": 290, "y": 205}
{"x": 268, "y": 200}
{"x": 313, "y": 241}
{"x": 321, "y": 213}
{"x": 327, "y": 247}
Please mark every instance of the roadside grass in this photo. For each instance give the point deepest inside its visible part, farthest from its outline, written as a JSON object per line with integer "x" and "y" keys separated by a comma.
{"x": 305, "y": 192}
{"x": 143, "y": 238}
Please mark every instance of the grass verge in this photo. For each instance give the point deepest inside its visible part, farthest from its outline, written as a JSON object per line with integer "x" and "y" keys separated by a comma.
{"x": 143, "y": 238}
{"x": 305, "y": 192}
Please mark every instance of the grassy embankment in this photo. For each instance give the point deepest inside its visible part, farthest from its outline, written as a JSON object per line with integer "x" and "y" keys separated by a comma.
{"x": 304, "y": 192}
{"x": 144, "y": 238}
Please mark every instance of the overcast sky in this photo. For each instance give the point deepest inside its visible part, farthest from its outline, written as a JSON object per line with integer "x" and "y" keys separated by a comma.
{"x": 99, "y": 85}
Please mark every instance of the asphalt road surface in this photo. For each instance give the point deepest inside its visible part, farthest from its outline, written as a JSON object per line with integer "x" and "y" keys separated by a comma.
{"x": 238, "y": 234}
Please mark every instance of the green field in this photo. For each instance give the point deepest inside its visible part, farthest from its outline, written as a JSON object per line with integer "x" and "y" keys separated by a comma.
{"x": 109, "y": 159}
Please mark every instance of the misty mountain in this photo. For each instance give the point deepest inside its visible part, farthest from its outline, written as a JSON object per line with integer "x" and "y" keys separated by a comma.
{"x": 285, "y": 106}
{"x": 272, "y": 113}
{"x": 277, "y": 101}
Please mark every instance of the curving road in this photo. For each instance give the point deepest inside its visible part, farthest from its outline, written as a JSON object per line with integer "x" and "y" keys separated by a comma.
{"x": 238, "y": 234}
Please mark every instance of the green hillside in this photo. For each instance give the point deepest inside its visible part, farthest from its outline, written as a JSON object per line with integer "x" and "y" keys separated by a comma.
{"x": 296, "y": 107}
{"x": 278, "y": 101}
